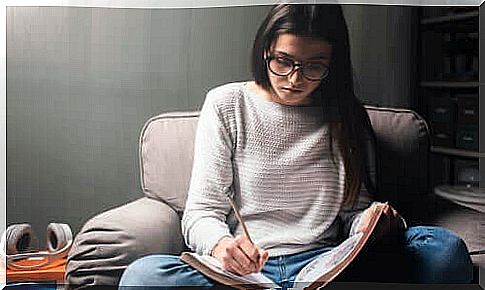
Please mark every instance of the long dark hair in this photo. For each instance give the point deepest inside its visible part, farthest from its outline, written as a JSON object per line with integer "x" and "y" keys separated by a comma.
{"x": 346, "y": 116}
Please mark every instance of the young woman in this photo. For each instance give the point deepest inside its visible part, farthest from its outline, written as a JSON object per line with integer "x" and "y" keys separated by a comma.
{"x": 290, "y": 147}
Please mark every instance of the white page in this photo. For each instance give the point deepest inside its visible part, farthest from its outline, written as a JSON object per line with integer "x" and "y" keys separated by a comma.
{"x": 253, "y": 278}
{"x": 326, "y": 261}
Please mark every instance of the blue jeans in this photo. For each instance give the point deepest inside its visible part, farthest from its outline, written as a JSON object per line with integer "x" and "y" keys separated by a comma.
{"x": 422, "y": 255}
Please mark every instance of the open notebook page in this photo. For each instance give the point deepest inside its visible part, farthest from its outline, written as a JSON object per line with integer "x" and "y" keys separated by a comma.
{"x": 326, "y": 261}
{"x": 253, "y": 278}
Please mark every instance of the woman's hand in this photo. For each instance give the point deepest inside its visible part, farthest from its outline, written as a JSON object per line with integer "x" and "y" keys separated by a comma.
{"x": 390, "y": 222}
{"x": 239, "y": 255}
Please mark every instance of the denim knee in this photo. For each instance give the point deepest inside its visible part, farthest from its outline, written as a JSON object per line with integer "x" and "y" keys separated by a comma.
{"x": 438, "y": 255}
{"x": 162, "y": 272}
{"x": 140, "y": 272}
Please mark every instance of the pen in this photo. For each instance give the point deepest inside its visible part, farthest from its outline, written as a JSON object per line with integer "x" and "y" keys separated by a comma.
{"x": 238, "y": 215}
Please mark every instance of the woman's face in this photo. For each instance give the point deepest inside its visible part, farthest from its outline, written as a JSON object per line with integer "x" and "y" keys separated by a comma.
{"x": 294, "y": 89}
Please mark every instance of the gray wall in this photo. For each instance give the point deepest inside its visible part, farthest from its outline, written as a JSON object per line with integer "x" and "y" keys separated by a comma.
{"x": 383, "y": 42}
{"x": 81, "y": 82}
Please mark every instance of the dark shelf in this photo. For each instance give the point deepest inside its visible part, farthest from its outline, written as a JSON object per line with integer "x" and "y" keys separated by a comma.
{"x": 449, "y": 84}
{"x": 456, "y": 152}
{"x": 465, "y": 16}
{"x": 464, "y": 22}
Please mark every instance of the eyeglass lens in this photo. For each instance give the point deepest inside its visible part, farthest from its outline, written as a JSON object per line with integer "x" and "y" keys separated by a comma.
{"x": 283, "y": 66}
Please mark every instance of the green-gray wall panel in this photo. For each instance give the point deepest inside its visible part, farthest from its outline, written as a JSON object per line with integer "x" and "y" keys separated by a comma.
{"x": 82, "y": 82}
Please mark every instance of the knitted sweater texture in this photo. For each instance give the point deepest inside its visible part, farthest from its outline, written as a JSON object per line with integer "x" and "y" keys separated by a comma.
{"x": 276, "y": 161}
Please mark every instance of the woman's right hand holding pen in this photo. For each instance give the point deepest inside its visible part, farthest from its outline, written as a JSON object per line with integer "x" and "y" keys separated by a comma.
{"x": 239, "y": 255}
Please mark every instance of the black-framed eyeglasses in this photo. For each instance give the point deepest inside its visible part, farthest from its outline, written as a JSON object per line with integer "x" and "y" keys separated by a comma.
{"x": 284, "y": 66}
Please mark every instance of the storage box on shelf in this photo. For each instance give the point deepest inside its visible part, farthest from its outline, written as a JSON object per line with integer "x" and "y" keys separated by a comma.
{"x": 466, "y": 172}
{"x": 441, "y": 118}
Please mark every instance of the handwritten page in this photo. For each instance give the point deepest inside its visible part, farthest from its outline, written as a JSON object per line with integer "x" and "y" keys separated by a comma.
{"x": 254, "y": 278}
{"x": 326, "y": 261}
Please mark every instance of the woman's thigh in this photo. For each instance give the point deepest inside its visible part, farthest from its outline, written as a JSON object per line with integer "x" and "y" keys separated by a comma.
{"x": 437, "y": 255}
{"x": 422, "y": 254}
{"x": 162, "y": 272}
{"x": 378, "y": 263}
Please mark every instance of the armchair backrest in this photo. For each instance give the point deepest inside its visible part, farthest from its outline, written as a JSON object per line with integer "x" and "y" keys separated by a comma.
{"x": 402, "y": 146}
{"x": 402, "y": 149}
{"x": 166, "y": 153}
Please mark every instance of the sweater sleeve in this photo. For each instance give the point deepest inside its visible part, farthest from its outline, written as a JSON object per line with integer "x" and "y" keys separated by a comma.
{"x": 207, "y": 207}
{"x": 351, "y": 217}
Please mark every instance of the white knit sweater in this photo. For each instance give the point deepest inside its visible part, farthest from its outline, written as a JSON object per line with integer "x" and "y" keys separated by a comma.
{"x": 276, "y": 159}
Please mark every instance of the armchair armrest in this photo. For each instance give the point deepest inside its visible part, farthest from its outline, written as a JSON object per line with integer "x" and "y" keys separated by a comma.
{"x": 110, "y": 241}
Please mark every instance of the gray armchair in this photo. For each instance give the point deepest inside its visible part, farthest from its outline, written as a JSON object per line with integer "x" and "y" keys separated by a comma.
{"x": 110, "y": 241}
